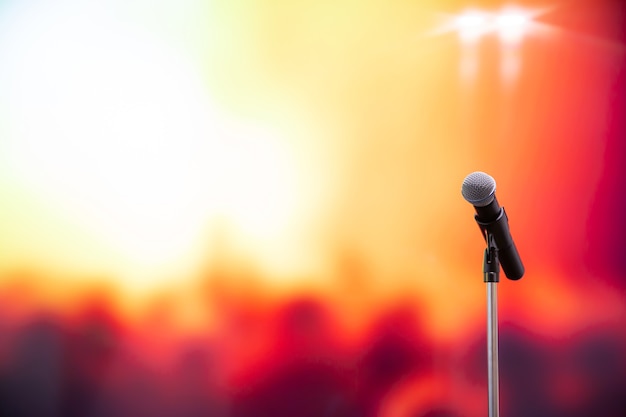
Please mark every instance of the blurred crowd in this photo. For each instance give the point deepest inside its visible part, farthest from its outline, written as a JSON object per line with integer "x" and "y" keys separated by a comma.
{"x": 298, "y": 365}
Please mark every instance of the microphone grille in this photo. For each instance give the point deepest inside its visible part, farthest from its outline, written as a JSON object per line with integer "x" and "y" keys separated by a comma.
{"x": 479, "y": 189}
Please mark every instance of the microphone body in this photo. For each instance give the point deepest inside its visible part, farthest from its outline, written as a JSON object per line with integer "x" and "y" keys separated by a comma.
{"x": 479, "y": 189}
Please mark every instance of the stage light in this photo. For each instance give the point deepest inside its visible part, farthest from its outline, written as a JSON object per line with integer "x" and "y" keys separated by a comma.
{"x": 512, "y": 26}
{"x": 471, "y": 26}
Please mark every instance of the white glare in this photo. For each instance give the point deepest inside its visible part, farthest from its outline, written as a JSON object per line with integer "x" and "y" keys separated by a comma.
{"x": 471, "y": 26}
{"x": 511, "y": 27}
{"x": 115, "y": 128}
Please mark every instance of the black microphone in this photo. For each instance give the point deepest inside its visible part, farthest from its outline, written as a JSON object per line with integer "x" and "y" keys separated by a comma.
{"x": 479, "y": 189}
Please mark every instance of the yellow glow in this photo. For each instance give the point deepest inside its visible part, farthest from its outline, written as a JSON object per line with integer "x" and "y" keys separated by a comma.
{"x": 317, "y": 137}
{"x": 114, "y": 134}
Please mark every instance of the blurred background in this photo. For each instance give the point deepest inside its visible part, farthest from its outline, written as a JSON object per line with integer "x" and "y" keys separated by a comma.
{"x": 252, "y": 208}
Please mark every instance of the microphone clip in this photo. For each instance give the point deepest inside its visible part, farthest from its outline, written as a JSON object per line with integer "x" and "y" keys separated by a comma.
{"x": 491, "y": 263}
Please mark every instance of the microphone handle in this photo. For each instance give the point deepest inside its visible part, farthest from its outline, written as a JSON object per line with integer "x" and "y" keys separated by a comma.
{"x": 507, "y": 251}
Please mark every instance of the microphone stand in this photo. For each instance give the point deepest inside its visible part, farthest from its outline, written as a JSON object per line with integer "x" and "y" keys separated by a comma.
{"x": 491, "y": 271}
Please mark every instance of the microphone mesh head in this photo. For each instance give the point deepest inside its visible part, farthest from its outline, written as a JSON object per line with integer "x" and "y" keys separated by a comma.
{"x": 479, "y": 189}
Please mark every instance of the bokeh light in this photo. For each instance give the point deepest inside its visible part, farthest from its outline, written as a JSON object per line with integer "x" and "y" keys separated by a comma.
{"x": 472, "y": 25}
{"x": 511, "y": 26}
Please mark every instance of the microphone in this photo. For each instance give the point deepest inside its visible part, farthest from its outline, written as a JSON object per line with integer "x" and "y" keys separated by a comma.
{"x": 479, "y": 189}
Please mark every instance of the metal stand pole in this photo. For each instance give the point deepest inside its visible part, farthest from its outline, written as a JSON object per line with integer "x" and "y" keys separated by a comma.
{"x": 491, "y": 269}
{"x": 492, "y": 349}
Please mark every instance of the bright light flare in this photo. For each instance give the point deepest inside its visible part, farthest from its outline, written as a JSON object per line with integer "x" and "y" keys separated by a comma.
{"x": 115, "y": 130}
{"x": 471, "y": 26}
{"x": 512, "y": 26}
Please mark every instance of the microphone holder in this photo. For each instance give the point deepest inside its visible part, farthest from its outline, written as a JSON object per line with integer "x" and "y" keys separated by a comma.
{"x": 491, "y": 271}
